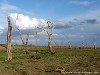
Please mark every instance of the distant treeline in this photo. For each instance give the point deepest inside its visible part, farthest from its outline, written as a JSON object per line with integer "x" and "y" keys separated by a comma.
{"x": 74, "y": 47}
{"x": 2, "y": 44}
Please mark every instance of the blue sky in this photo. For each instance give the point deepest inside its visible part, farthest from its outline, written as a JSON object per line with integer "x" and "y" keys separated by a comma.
{"x": 54, "y": 9}
{"x": 75, "y": 20}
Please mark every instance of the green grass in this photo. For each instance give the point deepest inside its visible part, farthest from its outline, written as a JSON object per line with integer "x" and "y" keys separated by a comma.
{"x": 78, "y": 60}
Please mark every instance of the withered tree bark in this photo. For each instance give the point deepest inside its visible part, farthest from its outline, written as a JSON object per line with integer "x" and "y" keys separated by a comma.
{"x": 9, "y": 36}
{"x": 49, "y": 32}
{"x": 83, "y": 43}
{"x": 94, "y": 43}
{"x": 69, "y": 43}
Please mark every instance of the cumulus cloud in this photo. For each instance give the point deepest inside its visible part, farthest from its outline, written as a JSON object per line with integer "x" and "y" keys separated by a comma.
{"x": 24, "y": 22}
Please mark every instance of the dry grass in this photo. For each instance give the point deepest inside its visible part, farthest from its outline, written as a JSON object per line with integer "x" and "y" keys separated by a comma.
{"x": 43, "y": 63}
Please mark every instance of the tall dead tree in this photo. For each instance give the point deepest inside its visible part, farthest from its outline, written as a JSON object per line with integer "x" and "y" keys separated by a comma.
{"x": 49, "y": 31}
{"x": 36, "y": 39}
{"x": 9, "y": 36}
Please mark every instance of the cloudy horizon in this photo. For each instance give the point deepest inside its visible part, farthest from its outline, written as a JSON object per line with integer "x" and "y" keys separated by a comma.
{"x": 75, "y": 21}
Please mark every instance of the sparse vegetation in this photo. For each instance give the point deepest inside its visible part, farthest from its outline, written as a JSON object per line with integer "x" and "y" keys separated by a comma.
{"x": 43, "y": 63}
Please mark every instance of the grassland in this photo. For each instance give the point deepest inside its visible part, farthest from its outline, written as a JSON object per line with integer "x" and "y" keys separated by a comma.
{"x": 41, "y": 62}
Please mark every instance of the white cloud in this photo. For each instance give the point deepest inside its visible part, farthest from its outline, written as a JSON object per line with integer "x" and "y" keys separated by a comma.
{"x": 74, "y": 36}
{"x": 55, "y": 34}
{"x": 85, "y": 3}
{"x": 24, "y": 22}
{"x": 7, "y": 7}
{"x": 42, "y": 33}
{"x": 1, "y": 29}
{"x": 31, "y": 36}
{"x": 81, "y": 28}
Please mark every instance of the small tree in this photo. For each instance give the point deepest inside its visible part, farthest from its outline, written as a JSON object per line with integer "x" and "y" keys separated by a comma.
{"x": 24, "y": 43}
{"x": 69, "y": 44}
{"x": 94, "y": 43}
{"x": 84, "y": 43}
{"x": 27, "y": 37}
{"x": 9, "y": 35}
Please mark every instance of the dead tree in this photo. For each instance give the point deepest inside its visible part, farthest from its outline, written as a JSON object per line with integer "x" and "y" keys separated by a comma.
{"x": 24, "y": 42}
{"x": 21, "y": 36}
{"x": 69, "y": 44}
{"x": 36, "y": 39}
{"x": 20, "y": 32}
{"x": 49, "y": 31}
{"x": 84, "y": 44}
{"x": 9, "y": 36}
{"x": 27, "y": 38}
{"x": 94, "y": 43}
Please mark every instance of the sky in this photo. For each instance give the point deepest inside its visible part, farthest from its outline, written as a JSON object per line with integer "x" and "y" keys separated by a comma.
{"x": 75, "y": 21}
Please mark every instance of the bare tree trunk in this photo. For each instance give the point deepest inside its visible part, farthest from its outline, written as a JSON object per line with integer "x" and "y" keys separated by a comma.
{"x": 69, "y": 43}
{"x": 25, "y": 45}
{"x": 83, "y": 44}
{"x": 21, "y": 36}
{"x": 27, "y": 38}
{"x": 9, "y": 35}
{"x": 50, "y": 44}
{"x": 49, "y": 32}
{"x": 94, "y": 44}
